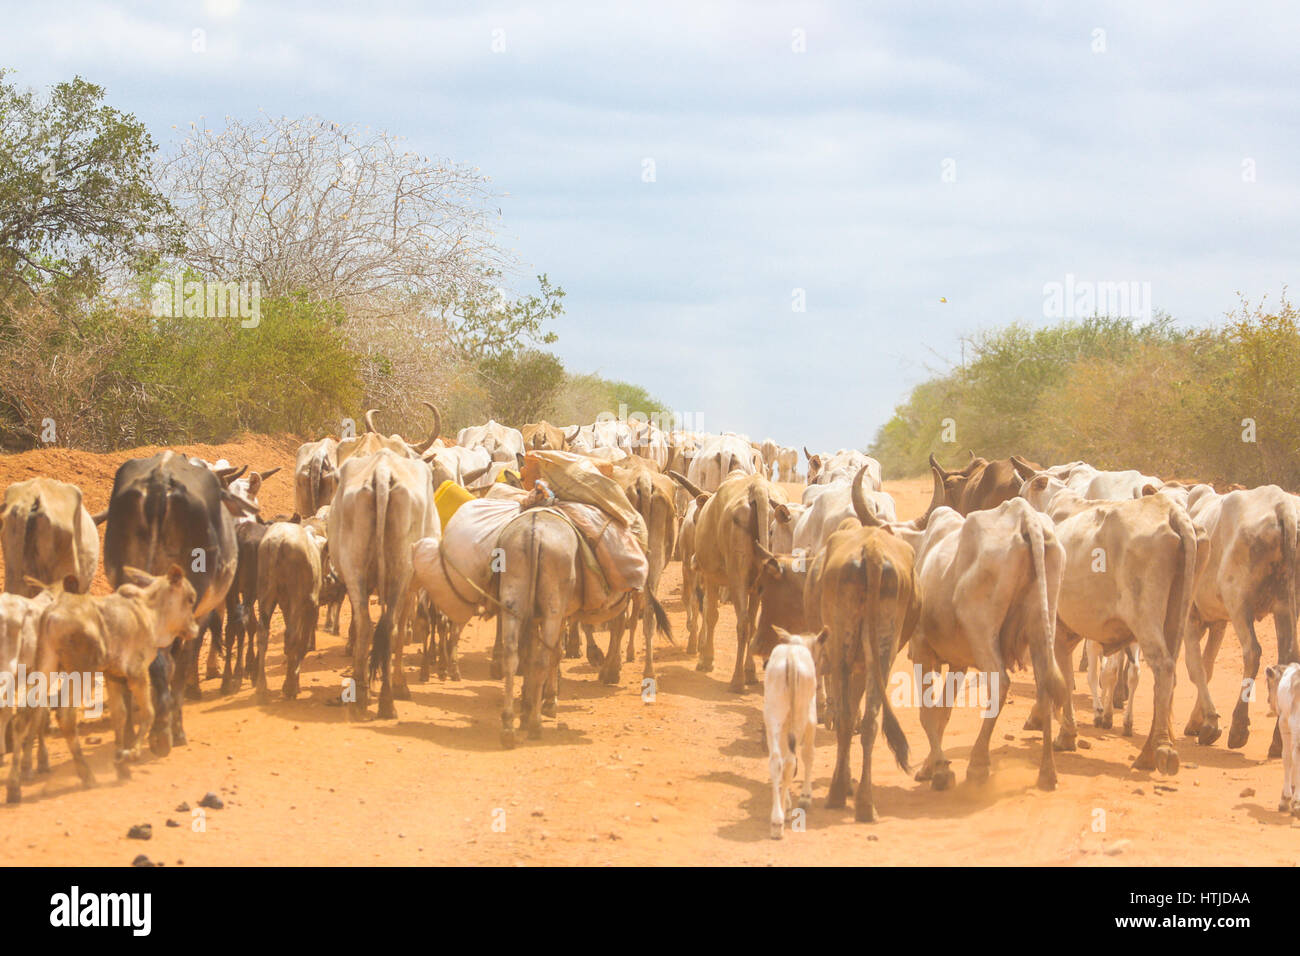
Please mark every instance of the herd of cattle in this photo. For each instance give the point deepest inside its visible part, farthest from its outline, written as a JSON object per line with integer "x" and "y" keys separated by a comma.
{"x": 1012, "y": 565}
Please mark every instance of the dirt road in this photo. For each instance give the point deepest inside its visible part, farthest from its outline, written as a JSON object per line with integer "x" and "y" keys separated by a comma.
{"x": 615, "y": 780}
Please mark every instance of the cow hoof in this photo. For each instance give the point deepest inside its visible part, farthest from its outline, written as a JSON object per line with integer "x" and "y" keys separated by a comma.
{"x": 1106, "y": 722}
{"x": 924, "y": 774}
{"x": 864, "y": 812}
{"x": 387, "y": 711}
{"x": 943, "y": 779}
{"x": 977, "y": 773}
{"x": 401, "y": 692}
{"x": 1205, "y": 735}
{"x": 123, "y": 771}
{"x": 704, "y": 667}
{"x": 1065, "y": 741}
{"x": 1238, "y": 735}
{"x": 263, "y": 697}
{"x": 608, "y": 676}
{"x": 1284, "y": 805}
{"x": 805, "y": 804}
{"x": 595, "y": 656}
{"x": 454, "y": 674}
{"x": 834, "y": 801}
{"x": 1274, "y": 749}
{"x": 193, "y": 693}
{"x": 494, "y": 670}
{"x": 1295, "y": 808}
{"x": 778, "y": 831}
{"x": 13, "y": 794}
{"x": 548, "y": 708}
{"x": 507, "y": 738}
{"x": 1128, "y": 732}
{"x": 535, "y": 731}
{"x": 1032, "y": 722}
{"x": 424, "y": 675}
{"x": 1167, "y": 760}
{"x": 160, "y": 745}
{"x": 1046, "y": 780}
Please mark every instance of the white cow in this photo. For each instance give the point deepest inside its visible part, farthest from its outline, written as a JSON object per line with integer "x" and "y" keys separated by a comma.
{"x": 1284, "y": 700}
{"x": 790, "y": 716}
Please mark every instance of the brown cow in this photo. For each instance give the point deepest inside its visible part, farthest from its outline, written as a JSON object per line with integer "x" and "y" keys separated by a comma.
{"x": 118, "y": 634}
{"x": 863, "y": 588}
{"x": 981, "y": 485}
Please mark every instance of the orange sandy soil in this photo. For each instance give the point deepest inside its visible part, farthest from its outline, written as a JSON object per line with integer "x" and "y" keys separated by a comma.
{"x": 614, "y": 780}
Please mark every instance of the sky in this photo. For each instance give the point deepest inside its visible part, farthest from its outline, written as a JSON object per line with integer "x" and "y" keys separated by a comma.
{"x": 841, "y": 191}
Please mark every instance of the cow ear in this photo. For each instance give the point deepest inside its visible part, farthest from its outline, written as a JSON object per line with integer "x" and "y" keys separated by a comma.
{"x": 772, "y": 566}
{"x": 175, "y": 575}
{"x": 135, "y": 576}
{"x": 823, "y": 637}
{"x": 700, "y": 499}
{"x": 71, "y": 584}
{"x": 36, "y": 583}
{"x": 295, "y": 518}
{"x": 783, "y": 514}
{"x": 1148, "y": 489}
{"x": 782, "y": 635}
{"x": 254, "y": 484}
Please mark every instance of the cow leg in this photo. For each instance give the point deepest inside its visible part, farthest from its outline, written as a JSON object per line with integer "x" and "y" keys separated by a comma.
{"x": 1292, "y": 748}
{"x": 1158, "y": 752}
{"x": 261, "y": 693}
{"x": 1203, "y": 721}
{"x": 572, "y": 643}
{"x": 451, "y": 654}
{"x": 1251, "y": 652}
{"x": 387, "y": 710}
{"x": 1134, "y": 675}
{"x": 864, "y": 810}
{"x": 1092, "y": 652}
{"x": 691, "y": 598}
{"x": 751, "y": 629}
{"x": 776, "y": 769}
{"x": 740, "y": 600}
{"x": 807, "y": 747}
{"x": 977, "y": 769}
{"x": 634, "y": 606}
{"x": 1104, "y": 700}
{"x": 1284, "y": 626}
{"x": 424, "y": 634}
{"x": 849, "y": 688}
{"x": 509, "y": 631}
{"x": 406, "y": 607}
{"x": 184, "y": 656}
{"x": 23, "y": 725}
{"x": 68, "y": 725}
{"x": 498, "y": 651}
{"x": 545, "y": 666}
{"x": 143, "y": 713}
{"x": 611, "y": 670}
{"x": 705, "y": 663}
{"x": 934, "y": 719}
{"x": 595, "y": 656}
{"x": 118, "y": 715}
{"x": 360, "y": 634}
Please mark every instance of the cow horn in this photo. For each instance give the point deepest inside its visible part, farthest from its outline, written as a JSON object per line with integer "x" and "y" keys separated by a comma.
{"x": 101, "y": 517}
{"x": 576, "y": 429}
{"x": 937, "y": 497}
{"x": 437, "y": 429}
{"x": 370, "y": 420}
{"x": 806, "y": 453}
{"x": 267, "y": 474}
{"x": 686, "y": 483}
{"x": 469, "y": 477}
{"x": 227, "y": 475}
{"x": 866, "y": 514}
{"x": 934, "y": 463}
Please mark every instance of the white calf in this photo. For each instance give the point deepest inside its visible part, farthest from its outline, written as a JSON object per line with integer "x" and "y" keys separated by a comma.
{"x": 1284, "y": 698}
{"x": 1103, "y": 684}
{"x": 790, "y": 714}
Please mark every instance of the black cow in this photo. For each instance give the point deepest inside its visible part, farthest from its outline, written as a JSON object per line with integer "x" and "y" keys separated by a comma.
{"x": 167, "y": 510}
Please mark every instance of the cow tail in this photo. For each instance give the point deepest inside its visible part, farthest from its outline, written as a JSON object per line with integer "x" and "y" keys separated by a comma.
{"x": 317, "y": 463}
{"x": 1180, "y": 598}
{"x": 877, "y": 574}
{"x": 791, "y": 675}
{"x": 1290, "y": 547}
{"x": 381, "y": 645}
{"x": 1043, "y": 647}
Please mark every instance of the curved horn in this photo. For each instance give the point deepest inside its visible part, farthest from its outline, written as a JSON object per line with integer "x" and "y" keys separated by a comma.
{"x": 437, "y": 428}
{"x": 866, "y": 514}
{"x": 370, "y": 420}
{"x": 934, "y": 463}
{"x": 806, "y": 453}
{"x": 267, "y": 474}
{"x": 227, "y": 475}
{"x": 469, "y": 477}
{"x": 937, "y": 496}
{"x": 686, "y": 483}
{"x": 576, "y": 429}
